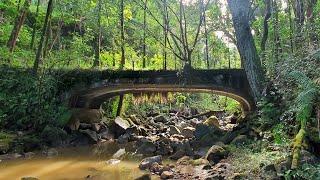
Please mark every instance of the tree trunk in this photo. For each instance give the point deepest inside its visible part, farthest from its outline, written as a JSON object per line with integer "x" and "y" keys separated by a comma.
{"x": 165, "y": 33}
{"x": 34, "y": 28}
{"x": 206, "y": 39}
{"x": 290, "y": 25}
{"x": 265, "y": 30}
{"x": 39, "y": 55}
{"x": 18, "y": 25}
{"x": 119, "y": 105}
{"x": 299, "y": 20}
{"x": 97, "y": 48}
{"x": 144, "y": 34}
{"x": 123, "y": 59}
{"x": 246, "y": 47}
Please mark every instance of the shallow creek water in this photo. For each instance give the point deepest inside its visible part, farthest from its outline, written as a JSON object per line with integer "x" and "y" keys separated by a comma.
{"x": 72, "y": 164}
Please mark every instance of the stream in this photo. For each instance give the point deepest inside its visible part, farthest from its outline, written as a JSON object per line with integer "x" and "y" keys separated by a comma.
{"x": 89, "y": 162}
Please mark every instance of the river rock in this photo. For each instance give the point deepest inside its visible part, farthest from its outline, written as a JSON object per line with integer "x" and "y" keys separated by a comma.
{"x": 84, "y": 126}
{"x": 144, "y": 177}
{"x": 123, "y": 139}
{"x": 212, "y": 121}
{"x": 29, "y": 178}
{"x": 166, "y": 175}
{"x": 160, "y": 118}
{"x": 106, "y": 134}
{"x": 96, "y": 126}
{"x": 147, "y": 162}
{"x": 173, "y": 130}
{"x": 221, "y": 171}
{"x": 91, "y": 134}
{"x": 119, "y": 154}
{"x": 147, "y": 147}
{"x": 51, "y": 152}
{"x": 122, "y": 123}
{"x": 188, "y": 132}
{"x": 10, "y": 156}
{"x": 215, "y": 154}
{"x": 113, "y": 161}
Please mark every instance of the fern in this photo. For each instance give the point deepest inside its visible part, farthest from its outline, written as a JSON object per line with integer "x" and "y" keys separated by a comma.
{"x": 304, "y": 104}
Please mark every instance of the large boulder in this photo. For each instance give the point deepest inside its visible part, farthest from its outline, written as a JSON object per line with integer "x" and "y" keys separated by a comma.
{"x": 147, "y": 148}
{"x": 122, "y": 123}
{"x": 92, "y": 135}
{"x": 84, "y": 115}
{"x": 166, "y": 175}
{"x": 215, "y": 154}
{"x": 147, "y": 162}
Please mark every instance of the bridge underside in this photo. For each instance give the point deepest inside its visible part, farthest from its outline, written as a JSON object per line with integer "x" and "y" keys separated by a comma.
{"x": 95, "y": 98}
{"x": 230, "y": 83}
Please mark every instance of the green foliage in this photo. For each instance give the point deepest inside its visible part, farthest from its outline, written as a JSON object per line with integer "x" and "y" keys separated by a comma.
{"x": 280, "y": 135}
{"x": 306, "y": 98}
{"x": 29, "y": 102}
{"x": 305, "y": 172}
{"x": 53, "y": 135}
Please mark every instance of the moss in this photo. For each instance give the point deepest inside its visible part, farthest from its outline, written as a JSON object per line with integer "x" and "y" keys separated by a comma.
{"x": 297, "y": 146}
{"x": 198, "y": 162}
{"x": 212, "y": 121}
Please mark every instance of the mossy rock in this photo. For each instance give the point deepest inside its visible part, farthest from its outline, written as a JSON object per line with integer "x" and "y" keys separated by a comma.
{"x": 198, "y": 162}
{"x": 212, "y": 121}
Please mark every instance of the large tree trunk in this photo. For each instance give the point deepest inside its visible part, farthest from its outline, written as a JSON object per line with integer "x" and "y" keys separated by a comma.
{"x": 18, "y": 25}
{"x": 246, "y": 47}
{"x": 206, "y": 39}
{"x": 43, "y": 37}
{"x": 165, "y": 33}
{"x": 123, "y": 59}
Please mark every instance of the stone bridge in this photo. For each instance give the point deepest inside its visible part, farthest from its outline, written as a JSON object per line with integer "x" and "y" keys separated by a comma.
{"x": 227, "y": 82}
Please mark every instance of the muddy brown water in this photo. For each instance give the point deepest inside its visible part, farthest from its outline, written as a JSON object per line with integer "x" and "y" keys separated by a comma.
{"x": 73, "y": 164}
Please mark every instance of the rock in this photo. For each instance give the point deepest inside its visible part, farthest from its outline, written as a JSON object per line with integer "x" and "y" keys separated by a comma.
{"x": 166, "y": 175}
{"x": 221, "y": 171}
{"x": 147, "y": 148}
{"x": 29, "y": 155}
{"x": 144, "y": 177}
{"x": 113, "y": 161}
{"x": 123, "y": 139}
{"x": 239, "y": 140}
{"x": 10, "y": 156}
{"x": 177, "y": 155}
{"x": 84, "y": 115}
{"x": 119, "y": 154}
{"x": 188, "y": 132}
{"x": 51, "y": 152}
{"x": 212, "y": 121}
{"x": 173, "y": 130}
{"x": 106, "y": 134}
{"x": 156, "y": 168}
{"x": 90, "y": 134}
{"x": 147, "y": 162}
{"x": 29, "y": 178}
{"x": 215, "y": 154}
{"x": 135, "y": 119}
{"x": 122, "y": 123}
{"x": 84, "y": 126}
{"x": 200, "y": 152}
{"x": 96, "y": 127}
{"x": 200, "y": 161}
{"x": 160, "y": 118}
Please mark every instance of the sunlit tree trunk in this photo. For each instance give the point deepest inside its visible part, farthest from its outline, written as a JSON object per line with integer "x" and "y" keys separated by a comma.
{"x": 299, "y": 22}
{"x": 206, "y": 38}
{"x": 246, "y": 46}
{"x": 119, "y": 105}
{"x": 165, "y": 33}
{"x": 123, "y": 59}
{"x": 311, "y": 23}
{"x": 290, "y": 25}
{"x": 277, "y": 40}
{"x": 39, "y": 55}
{"x": 18, "y": 25}
{"x": 144, "y": 34}
{"x": 97, "y": 48}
